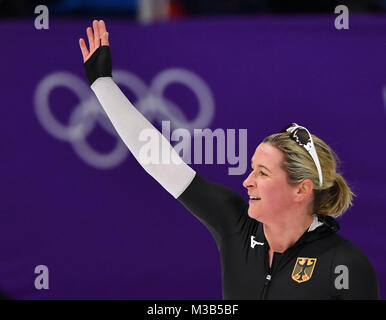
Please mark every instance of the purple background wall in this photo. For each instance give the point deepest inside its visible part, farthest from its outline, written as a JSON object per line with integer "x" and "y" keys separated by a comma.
{"x": 114, "y": 233}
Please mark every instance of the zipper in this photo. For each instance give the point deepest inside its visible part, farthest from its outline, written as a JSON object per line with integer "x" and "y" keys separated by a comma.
{"x": 266, "y": 286}
{"x": 284, "y": 258}
{"x": 275, "y": 266}
{"x": 269, "y": 275}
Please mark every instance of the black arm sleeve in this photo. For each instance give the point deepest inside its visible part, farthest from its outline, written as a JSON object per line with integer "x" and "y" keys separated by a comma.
{"x": 220, "y": 209}
{"x": 353, "y": 275}
{"x": 99, "y": 64}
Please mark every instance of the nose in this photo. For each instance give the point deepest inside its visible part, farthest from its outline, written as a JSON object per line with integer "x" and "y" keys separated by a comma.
{"x": 249, "y": 182}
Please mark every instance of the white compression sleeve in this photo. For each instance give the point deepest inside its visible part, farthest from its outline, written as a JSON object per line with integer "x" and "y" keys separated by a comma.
{"x": 129, "y": 123}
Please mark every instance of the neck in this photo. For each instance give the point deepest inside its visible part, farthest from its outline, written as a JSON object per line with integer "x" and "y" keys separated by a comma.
{"x": 282, "y": 235}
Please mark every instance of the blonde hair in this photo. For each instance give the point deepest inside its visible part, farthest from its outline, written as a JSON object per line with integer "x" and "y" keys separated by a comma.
{"x": 334, "y": 197}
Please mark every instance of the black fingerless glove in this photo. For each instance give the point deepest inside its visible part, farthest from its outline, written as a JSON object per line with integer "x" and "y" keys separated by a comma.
{"x": 99, "y": 64}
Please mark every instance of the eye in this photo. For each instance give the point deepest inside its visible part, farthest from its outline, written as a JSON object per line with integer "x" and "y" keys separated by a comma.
{"x": 262, "y": 173}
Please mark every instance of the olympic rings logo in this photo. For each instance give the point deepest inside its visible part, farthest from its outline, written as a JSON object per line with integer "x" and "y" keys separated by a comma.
{"x": 150, "y": 101}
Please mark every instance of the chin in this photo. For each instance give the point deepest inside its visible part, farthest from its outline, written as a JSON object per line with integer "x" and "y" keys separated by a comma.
{"x": 254, "y": 215}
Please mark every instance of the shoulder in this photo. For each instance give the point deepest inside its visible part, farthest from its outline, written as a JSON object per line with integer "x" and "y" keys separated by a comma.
{"x": 347, "y": 252}
{"x": 354, "y": 276}
{"x": 222, "y": 210}
{"x": 206, "y": 193}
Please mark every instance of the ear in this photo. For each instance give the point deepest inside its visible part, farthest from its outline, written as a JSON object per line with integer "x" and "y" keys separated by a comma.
{"x": 303, "y": 190}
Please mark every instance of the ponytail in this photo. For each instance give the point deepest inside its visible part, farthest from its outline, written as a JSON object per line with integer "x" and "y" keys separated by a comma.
{"x": 335, "y": 200}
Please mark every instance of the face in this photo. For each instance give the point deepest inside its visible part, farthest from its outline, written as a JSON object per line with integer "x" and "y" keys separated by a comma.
{"x": 268, "y": 182}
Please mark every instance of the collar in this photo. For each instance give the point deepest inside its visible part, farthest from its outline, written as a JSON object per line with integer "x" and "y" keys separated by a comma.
{"x": 315, "y": 224}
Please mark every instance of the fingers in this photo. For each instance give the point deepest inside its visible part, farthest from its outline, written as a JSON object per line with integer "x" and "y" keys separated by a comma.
{"x": 97, "y": 39}
{"x": 103, "y": 32}
{"x": 97, "y": 35}
{"x": 102, "y": 27}
{"x": 90, "y": 36}
{"x": 83, "y": 48}
{"x": 105, "y": 39}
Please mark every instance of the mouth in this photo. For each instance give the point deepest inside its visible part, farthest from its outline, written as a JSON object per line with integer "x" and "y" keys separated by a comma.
{"x": 252, "y": 198}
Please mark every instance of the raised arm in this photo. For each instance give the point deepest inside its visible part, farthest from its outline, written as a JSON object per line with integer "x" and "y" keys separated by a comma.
{"x": 218, "y": 207}
{"x": 129, "y": 123}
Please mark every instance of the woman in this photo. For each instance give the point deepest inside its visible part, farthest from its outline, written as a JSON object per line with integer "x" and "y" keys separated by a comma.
{"x": 283, "y": 244}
